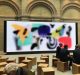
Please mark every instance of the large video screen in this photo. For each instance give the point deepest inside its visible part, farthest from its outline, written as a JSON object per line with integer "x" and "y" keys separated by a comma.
{"x": 23, "y": 36}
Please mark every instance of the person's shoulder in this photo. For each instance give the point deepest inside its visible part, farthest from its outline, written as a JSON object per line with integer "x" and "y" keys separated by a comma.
{"x": 57, "y": 46}
{"x": 62, "y": 50}
{"x": 74, "y": 50}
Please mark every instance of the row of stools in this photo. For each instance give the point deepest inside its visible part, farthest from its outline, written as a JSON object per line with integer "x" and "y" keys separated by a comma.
{"x": 63, "y": 66}
{"x": 43, "y": 66}
{"x": 44, "y": 69}
{"x": 26, "y": 63}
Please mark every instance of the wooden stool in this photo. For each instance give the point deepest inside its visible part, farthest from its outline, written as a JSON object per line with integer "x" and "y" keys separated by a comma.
{"x": 20, "y": 59}
{"x": 33, "y": 60}
{"x": 3, "y": 64}
{"x": 3, "y": 59}
{"x": 1, "y": 70}
{"x": 62, "y": 66}
{"x": 48, "y": 71}
{"x": 11, "y": 61}
{"x": 54, "y": 62}
{"x": 22, "y": 65}
{"x": 40, "y": 66}
{"x": 75, "y": 68}
{"x": 28, "y": 62}
{"x": 45, "y": 58}
{"x": 40, "y": 61}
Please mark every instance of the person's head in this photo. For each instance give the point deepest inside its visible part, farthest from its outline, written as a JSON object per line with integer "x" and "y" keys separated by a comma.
{"x": 77, "y": 46}
{"x": 60, "y": 44}
{"x": 66, "y": 46}
{"x": 11, "y": 68}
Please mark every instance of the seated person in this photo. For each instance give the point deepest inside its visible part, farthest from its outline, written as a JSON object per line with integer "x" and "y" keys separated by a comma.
{"x": 65, "y": 55}
{"x": 13, "y": 69}
{"x": 58, "y": 50}
{"x": 76, "y": 55}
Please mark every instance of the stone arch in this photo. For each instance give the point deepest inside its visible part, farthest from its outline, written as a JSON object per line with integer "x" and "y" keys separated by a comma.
{"x": 69, "y": 6}
{"x": 12, "y": 5}
{"x": 44, "y": 3}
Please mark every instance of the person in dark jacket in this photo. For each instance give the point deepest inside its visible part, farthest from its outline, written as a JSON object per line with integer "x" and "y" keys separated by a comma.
{"x": 65, "y": 56}
{"x": 58, "y": 50}
{"x": 76, "y": 55}
{"x": 22, "y": 71}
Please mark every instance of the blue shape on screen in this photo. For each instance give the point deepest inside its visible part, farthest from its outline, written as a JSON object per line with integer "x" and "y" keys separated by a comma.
{"x": 43, "y": 30}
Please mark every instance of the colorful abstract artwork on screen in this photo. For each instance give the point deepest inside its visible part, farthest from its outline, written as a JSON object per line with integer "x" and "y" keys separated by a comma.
{"x": 39, "y": 36}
